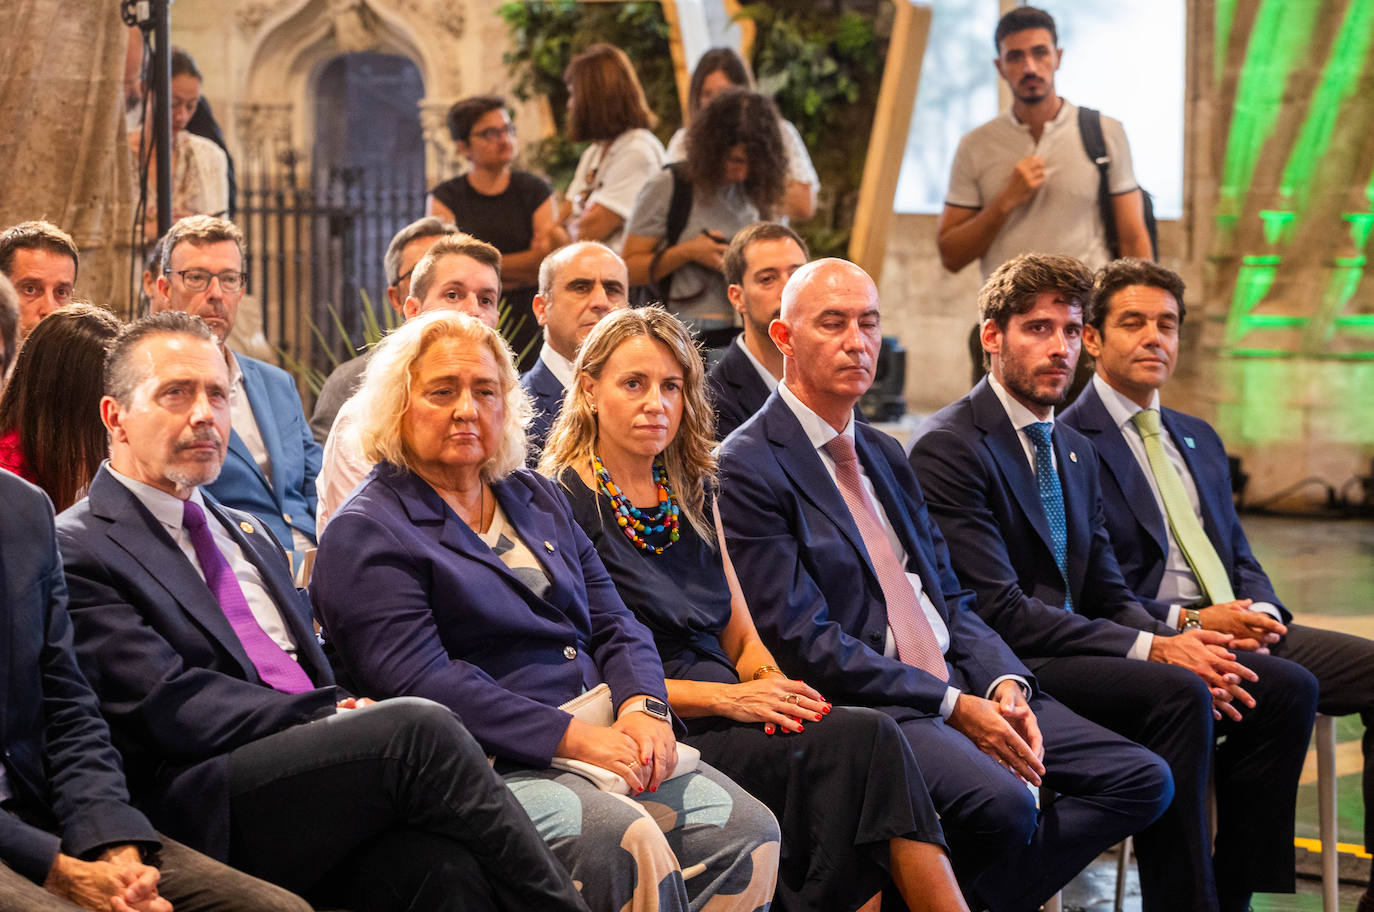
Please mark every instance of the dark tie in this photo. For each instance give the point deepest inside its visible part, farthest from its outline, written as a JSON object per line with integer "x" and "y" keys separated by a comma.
{"x": 911, "y": 630}
{"x": 275, "y": 667}
{"x": 1051, "y": 500}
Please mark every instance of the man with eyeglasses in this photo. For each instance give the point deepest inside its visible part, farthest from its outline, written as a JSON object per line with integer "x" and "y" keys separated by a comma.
{"x": 510, "y": 209}
{"x": 405, "y": 250}
{"x": 272, "y": 461}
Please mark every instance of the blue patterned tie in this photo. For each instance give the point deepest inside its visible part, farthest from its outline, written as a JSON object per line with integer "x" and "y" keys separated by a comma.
{"x": 1051, "y": 499}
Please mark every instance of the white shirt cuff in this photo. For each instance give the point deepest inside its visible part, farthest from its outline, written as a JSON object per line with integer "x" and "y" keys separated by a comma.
{"x": 1141, "y": 649}
{"x": 1020, "y": 681}
{"x": 1267, "y": 608}
{"x": 1174, "y": 612}
{"x": 947, "y": 704}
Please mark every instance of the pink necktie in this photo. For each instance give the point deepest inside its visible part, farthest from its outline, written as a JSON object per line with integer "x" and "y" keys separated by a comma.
{"x": 910, "y": 627}
{"x": 274, "y": 666}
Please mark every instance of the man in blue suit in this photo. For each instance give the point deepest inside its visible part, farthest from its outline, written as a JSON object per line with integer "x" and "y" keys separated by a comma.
{"x": 578, "y": 285}
{"x": 273, "y": 458}
{"x": 758, "y": 263}
{"x": 850, "y": 584}
{"x": 219, "y": 696}
{"x": 1133, "y": 322}
{"x": 1016, "y": 495}
{"x": 68, "y": 836}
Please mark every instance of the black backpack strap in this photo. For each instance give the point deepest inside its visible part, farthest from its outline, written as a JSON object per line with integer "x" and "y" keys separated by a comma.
{"x": 1095, "y": 145}
{"x": 680, "y": 204}
{"x": 679, "y": 208}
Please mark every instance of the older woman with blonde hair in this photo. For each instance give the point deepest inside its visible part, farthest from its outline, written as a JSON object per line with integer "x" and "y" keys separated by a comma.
{"x": 634, "y": 449}
{"x": 453, "y": 573}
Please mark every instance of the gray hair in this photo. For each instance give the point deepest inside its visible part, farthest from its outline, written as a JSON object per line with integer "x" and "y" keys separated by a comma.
{"x": 429, "y": 226}
{"x": 385, "y": 391}
{"x": 122, "y": 375}
{"x": 548, "y": 269}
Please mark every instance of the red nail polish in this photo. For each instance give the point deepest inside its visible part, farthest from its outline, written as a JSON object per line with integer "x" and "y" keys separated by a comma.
{"x": 800, "y": 728}
{"x": 768, "y": 729}
{"x": 827, "y": 708}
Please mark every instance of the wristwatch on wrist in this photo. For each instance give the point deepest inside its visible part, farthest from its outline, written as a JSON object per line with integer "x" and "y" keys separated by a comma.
{"x": 656, "y": 708}
{"x": 1192, "y": 620}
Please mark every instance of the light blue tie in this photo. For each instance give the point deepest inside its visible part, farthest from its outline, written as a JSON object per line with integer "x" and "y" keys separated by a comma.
{"x": 1051, "y": 499}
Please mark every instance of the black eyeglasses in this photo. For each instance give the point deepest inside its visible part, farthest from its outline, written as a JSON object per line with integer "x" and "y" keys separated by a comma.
{"x": 492, "y": 134}
{"x": 199, "y": 279}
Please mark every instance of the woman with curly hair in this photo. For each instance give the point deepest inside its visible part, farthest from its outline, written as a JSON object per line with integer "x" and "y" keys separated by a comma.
{"x": 734, "y": 175}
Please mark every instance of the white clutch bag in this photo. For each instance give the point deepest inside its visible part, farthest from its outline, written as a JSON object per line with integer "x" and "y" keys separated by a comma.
{"x": 594, "y": 707}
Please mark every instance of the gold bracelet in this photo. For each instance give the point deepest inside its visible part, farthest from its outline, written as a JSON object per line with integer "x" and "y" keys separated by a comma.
{"x": 767, "y": 669}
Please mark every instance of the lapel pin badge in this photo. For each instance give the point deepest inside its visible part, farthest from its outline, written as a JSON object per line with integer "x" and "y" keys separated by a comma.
{"x": 548, "y": 546}
{"x": 1073, "y": 457}
{"x": 247, "y": 528}
{"x": 1189, "y": 441}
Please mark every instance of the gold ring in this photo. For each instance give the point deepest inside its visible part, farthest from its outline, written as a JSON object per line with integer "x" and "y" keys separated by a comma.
{"x": 633, "y": 764}
{"x": 791, "y": 698}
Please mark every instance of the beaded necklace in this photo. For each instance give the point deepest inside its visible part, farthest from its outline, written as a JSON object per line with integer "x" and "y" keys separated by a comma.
{"x": 638, "y": 524}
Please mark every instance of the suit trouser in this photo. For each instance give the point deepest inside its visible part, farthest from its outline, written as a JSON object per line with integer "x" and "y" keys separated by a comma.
{"x": 391, "y": 807}
{"x": 1255, "y": 768}
{"x": 1344, "y": 668}
{"x": 1006, "y": 855}
{"x": 192, "y": 882}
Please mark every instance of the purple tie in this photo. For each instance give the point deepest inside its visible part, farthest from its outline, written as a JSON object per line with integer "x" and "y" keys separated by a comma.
{"x": 916, "y": 643}
{"x": 274, "y": 666}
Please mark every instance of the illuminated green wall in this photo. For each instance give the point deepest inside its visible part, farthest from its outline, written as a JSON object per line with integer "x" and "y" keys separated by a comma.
{"x": 1292, "y": 218}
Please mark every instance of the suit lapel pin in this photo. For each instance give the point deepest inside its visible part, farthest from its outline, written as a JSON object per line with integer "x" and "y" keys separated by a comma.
{"x": 548, "y": 546}
{"x": 1073, "y": 457}
{"x": 247, "y": 528}
{"x": 1189, "y": 441}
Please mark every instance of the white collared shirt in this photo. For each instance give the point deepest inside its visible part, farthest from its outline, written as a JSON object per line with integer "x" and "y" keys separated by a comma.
{"x": 167, "y": 510}
{"x": 558, "y": 365}
{"x": 1020, "y": 417}
{"x": 1178, "y": 586}
{"x": 819, "y": 432}
{"x": 765, "y": 375}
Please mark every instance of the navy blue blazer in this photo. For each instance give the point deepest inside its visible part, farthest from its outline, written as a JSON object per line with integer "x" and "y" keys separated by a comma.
{"x": 1135, "y": 523}
{"x": 547, "y": 393}
{"x": 737, "y": 389}
{"x": 982, "y": 492}
{"x": 60, "y": 764}
{"x": 287, "y": 500}
{"x": 806, "y": 575}
{"x": 417, "y": 605}
{"x": 173, "y": 679}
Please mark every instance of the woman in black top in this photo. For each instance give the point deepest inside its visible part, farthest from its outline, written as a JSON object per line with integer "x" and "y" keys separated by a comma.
{"x": 509, "y": 209}
{"x": 633, "y": 449}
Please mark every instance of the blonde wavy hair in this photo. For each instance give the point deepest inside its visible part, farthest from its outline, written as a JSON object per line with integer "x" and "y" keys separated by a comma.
{"x": 385, "y": 392}
{"x": 690, "y": 456}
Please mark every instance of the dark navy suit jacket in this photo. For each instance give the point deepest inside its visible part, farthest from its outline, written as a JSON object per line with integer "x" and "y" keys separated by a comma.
{"x": 294, "y": 454}
{"x": 547, "y": 393}
{"x": 982, "y": 492}
{"x": 60, "y": 764}
{"x": 1134, "y": 521}
{"x": 174, "y": 681}
{"x": 808, "y": 580}
{"x": 418, "y": 605}
{"x": 737, "y": 388}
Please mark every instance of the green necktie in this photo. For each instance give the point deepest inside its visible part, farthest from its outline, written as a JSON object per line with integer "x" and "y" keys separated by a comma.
{"x": 1187, "y": 529}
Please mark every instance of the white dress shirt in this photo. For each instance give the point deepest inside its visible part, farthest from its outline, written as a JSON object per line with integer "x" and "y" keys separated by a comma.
{"x": 765, "y": 375}
{"x": 819, "y": 432}
{"x": 1178, "y": 586}
{"x": 1021, "y": 416}
{"x": 558, "y": 365}
{"x": 167, "y": 510}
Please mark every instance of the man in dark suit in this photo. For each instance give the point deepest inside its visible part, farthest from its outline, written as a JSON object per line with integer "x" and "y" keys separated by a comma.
{"x": 1133, "y": 322}
{"x": 273, "y": 459}
{"x": 758, "y": 263}
{"x": 68, "y": 837}
{"x": 218, "y": 693}
{"x": 850, "y": 585}
{"x": 578, "y": 285}
{"x": 1017, "y": 497}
